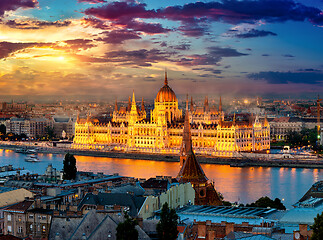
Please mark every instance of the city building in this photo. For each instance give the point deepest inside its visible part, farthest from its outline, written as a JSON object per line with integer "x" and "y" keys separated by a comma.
{"x": 130, "y": 130}
{"x": 15, "y": 218}
{"x": 34, "y": 127}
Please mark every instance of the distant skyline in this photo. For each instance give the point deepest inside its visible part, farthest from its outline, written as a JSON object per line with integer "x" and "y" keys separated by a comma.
{"x": 104, "y": 49}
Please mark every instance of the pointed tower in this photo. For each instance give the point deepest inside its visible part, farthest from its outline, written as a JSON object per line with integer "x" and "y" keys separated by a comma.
{"x": 234, "y": 119}
{"x": 78, "y": 117}
{"x": 166, "y": 81}
{"x": 129, "y": 104}
{"x": 133, "y": 112}
{"x": 142, "y": 105}
{"x": 191, "y": 171}
{"x": 220, "y": 105}
{"x": 88, "y": 118}
{"x": 192, "y": 105}
{"x": 116, "y": 106}
{"x": 206, "y": 105}
{"x": 266, "y": 123}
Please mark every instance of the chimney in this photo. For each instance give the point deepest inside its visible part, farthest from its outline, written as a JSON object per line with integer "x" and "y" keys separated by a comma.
{"x": 303, "y": 230}
{"x": 229, "y": 227}
{"x": 140, "y": 222}
{"x": 201, "y": 230}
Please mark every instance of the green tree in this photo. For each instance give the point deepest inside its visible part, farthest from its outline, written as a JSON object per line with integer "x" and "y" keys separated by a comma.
{"x": 265, "y": 202}
{"x": 69, "y": 168}
{"x": 167, "y": 226}
{"x": 49, "y": 133}
{"x": 3, "y": 129}
{"x": 127, "y": 229}
{"x": 317, "y": 227}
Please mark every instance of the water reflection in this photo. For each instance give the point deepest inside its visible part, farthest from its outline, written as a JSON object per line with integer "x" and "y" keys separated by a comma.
{"x": 236, "y": 184}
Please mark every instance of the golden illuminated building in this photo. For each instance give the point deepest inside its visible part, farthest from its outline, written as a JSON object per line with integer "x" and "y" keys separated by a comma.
{"x": 130, "y": 130}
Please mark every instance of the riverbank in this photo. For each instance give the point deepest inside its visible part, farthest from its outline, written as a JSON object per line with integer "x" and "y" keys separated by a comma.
{"x": 233, "y": 162}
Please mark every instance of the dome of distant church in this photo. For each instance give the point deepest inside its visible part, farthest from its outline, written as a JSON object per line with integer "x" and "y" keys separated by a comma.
{"x": 166, "y": 94}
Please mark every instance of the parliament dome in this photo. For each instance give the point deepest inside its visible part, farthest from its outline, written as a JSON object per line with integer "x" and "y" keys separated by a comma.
{"x": 166, "y": 94}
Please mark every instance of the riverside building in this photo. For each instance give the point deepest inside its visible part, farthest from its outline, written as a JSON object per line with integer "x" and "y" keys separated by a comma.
{"x": 130, "y": 130}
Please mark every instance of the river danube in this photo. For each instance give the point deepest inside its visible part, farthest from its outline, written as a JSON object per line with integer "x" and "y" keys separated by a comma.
{"x": 245, "y": 184}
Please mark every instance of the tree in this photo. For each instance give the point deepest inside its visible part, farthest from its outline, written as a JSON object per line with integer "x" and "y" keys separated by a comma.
{"x": 265, "y": 202}
{"x": 3, "y": 129}
{"x": 167, "y": 226}
{"x": 127, "y": 229}
{"x": 317, "y": 227}
{"x": 69, "y": 168}
{"x": 49, "y": 133}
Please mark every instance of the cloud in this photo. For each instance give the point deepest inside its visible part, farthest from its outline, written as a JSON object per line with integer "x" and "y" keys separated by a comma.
{"x": 35, "y": 24}
{"x": 288, "y": 55}
{"x": 288, "y": 77}
{"x": 182, "y": 47}
{"x": 12, "y": 5}
{"x": 121, "y": 10}
{"x": 118, "y": 36}
{"x": 192, "y": 30}
{"x": 7, "y": 48}
{"x": 253, "y": 33}
{"x": 196, "y": 17}
{"x": 141, "y": 57}
{"x": 309, "y": 70}
{"x": 213, "y": 57}
{"x": 149, "y": 28}
{"x": 92, "y": 1}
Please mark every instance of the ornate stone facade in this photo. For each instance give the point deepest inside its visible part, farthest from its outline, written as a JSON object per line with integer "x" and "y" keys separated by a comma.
{"x": 130, "y": 130}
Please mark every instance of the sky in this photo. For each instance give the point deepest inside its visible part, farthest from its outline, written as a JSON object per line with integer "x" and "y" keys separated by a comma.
{"x": 106, "y": 49}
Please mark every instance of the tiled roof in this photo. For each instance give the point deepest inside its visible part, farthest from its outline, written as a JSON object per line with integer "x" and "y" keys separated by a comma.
{"x": 20, "y": 207}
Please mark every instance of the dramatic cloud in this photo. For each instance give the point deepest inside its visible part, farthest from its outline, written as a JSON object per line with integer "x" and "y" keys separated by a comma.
{"x": 121, "y": 10}
{"x": 182, "y": 47}
{"x": 192, "y": 30}
{"x": 118, "y": 36}
{"x": 35, "y": 24}
{"x": 288, "y": 77}
{"x": 7, "y": 48}
{"x": 255, "y": 33}
{"x": 235, "y": 11}
{"x": 92, "y": 1}
{"x": 140, "y": 57}
{"x": 194, "y": 15}
{"x": 149, "y": 28}
{"x": 214, "y": 56}
{"x": 12, "y": 5}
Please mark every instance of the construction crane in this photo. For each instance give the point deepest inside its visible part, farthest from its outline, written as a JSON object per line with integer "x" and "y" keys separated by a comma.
{"x": 318, "y": 119}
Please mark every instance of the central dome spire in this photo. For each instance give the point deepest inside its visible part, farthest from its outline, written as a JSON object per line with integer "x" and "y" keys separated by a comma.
{"x": 166, "y": 94}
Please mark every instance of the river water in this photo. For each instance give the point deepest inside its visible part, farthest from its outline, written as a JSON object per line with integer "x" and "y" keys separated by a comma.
{"x": 245, "y": 184}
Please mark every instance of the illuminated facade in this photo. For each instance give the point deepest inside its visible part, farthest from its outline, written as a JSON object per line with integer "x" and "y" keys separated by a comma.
{"x": 130, "y": 130}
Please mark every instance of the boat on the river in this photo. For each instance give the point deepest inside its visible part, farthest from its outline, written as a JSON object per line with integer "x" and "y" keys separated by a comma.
{"x": 32, "y": 158}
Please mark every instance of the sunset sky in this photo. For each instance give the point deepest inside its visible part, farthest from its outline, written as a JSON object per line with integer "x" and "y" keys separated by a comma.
{"x": 106, "y": 48}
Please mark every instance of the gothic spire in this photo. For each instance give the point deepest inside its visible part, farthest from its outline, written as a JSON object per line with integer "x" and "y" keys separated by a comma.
{"x": 192, "y": 105}
{"x": 206, "y": 104}
{"x": 220, "y": 105}
{"x": 116, "y": 106}
{"x": 166, "y": 81}
{"x": 133, "y": 105}
{"x": 142, "y": 105}
{"x": 191, "y": 170}
{"x": 129, "y": 104}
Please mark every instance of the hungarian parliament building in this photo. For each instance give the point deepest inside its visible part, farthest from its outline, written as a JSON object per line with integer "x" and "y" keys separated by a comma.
{"x": 130, "y": 130}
